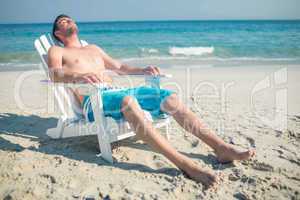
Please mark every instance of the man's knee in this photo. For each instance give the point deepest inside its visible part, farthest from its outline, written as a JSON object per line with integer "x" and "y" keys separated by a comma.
{"x": 173, "y": 97}
{"x": 171, "y": 104}
{"x": 128, "y": 102}
{"x": 171, "y": 100}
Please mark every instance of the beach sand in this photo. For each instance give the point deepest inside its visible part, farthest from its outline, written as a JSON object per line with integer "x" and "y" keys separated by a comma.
{"x": 33, "y": 166}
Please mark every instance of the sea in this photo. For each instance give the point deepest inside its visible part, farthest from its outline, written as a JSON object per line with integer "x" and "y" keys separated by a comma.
{"x": 167, "y": 43}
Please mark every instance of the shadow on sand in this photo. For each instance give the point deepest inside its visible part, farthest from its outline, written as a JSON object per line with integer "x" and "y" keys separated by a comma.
{"x": 84, "y": 148}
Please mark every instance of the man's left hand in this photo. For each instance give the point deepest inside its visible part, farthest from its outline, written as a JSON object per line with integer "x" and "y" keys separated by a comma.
{"x": 151, "y": 70}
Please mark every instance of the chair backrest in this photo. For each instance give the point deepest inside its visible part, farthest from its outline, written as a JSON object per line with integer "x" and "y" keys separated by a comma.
{"x": 64, "y": 97}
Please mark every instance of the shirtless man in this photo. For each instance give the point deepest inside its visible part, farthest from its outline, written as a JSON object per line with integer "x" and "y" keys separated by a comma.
{"x": 75, "y": 63}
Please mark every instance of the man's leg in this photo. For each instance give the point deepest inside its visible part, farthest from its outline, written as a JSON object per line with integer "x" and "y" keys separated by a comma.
{"x": 144, "y": 129}
{"x": 190, "y": 122}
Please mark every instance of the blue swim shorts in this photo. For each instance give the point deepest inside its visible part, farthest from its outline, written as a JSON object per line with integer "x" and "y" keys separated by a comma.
{"x": 149, "y": 99}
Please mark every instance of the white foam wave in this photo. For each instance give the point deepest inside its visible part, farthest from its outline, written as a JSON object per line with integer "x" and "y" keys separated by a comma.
{"x": 207, "y": 58}
{"x": 191, "y": 51}
{"x": 20, "y": 65}
{"x": 150, "y": 58}
{"x": 151, "y": 50}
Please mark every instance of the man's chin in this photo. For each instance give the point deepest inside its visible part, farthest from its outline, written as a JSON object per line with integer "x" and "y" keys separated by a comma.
{"x": 71, "y": 31}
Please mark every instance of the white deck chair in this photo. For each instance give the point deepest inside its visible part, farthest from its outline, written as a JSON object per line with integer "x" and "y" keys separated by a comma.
{"x": 71, "y": 122}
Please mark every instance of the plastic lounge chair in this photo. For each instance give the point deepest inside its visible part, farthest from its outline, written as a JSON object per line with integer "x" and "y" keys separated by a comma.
{"x": 73, "y": 123}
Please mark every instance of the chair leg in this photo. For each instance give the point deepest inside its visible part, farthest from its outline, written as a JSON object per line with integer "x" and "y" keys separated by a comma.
{"x": 101, "y": 123}
{"x": 56, "y": 132}
{"x": 105, "y": 147}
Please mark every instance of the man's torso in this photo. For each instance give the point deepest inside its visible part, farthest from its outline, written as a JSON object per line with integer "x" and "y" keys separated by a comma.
{"x": 84, "y": 60}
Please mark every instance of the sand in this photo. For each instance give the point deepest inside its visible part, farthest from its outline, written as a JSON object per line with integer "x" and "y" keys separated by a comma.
{"x": 34, "y": 166}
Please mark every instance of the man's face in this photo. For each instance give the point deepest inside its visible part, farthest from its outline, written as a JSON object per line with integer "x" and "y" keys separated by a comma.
{"x": 66, "y": 27}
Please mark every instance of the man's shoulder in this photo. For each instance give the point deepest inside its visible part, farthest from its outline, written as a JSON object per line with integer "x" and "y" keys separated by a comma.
{"x": 94, "y": 46}
{"x": 55, "y": 49}
{"x": 55, "y": 52}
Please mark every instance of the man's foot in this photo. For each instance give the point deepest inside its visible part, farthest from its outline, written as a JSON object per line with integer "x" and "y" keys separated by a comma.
{"x": 207, "y": 177}
{"x": 229, "y": 153}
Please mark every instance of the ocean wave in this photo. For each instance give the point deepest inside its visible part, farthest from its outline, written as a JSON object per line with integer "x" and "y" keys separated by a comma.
{"x": 20, "y": 65}
{"x": 207, "y": 58}
{"x": 19, "y": 57}
{"x": 151, "y": 58}
{"x": 149, "y": 50}
{"x": 157, "y": 58}
{"x": 191, "y": 51}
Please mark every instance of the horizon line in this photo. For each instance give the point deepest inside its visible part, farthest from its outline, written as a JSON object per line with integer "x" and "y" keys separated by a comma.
{"x": 146, "y": 20}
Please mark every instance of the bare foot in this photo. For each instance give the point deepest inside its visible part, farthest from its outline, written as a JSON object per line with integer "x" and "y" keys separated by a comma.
{"x": 229, "y": 153}
{"x": 207, "y": 177}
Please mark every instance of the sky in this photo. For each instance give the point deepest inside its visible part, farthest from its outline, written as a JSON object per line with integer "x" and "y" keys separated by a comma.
{"x": 37, "y": 11}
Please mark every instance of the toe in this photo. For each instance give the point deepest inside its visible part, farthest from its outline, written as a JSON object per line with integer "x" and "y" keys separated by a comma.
{"x": 251, "y": 153}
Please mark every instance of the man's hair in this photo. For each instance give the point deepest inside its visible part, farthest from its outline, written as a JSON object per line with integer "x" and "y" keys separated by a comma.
{"x": 55, "y": 25}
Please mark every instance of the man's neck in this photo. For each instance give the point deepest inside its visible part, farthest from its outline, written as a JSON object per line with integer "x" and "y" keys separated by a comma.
{"x": 72, "y": 42}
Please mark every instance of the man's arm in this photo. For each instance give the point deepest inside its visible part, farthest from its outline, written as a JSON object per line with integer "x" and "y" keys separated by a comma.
{"x": 56, "y": 71}
{"x": 58, "y": 74}
{"x": 121, "y": 68}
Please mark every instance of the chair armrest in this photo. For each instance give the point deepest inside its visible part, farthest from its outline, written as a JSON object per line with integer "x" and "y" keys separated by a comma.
{"x": 89, "y": 89}
{"x": 114, "y": 74}
{"x": 149, "y": 76}
{"x": 82, "y": 88}
{"x": 150, "y": 80}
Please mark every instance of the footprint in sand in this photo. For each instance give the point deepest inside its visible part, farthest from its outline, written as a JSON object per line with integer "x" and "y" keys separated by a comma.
{"x": 192, "y": 140}
{"x": 242, "y": 196}
{"x": 236, "y": 174}
{"x": 290, "y": 159}
{"x": 251, "y": 141}
{"x": 241, "y": 140}
{"x": 159, "y": 161}
{"x": 288, "y": 155}
{"x": 297, "y": 117}
{"x": 124, "y": 157}
{"x": 292, "y": 134}
{"x": 262, "y": 166}
{"x": 49, "y": 177}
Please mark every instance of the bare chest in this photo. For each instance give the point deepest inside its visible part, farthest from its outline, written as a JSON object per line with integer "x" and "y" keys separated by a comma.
{"x": 82, "y": 60}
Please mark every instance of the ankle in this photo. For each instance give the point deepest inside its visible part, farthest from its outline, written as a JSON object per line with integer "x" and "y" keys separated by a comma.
{"x": 220, "y": 147}
{"x": 184, "y": 163}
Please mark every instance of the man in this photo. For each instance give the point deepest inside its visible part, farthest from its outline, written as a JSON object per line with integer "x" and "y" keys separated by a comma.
{"x": 75, "y": 63}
